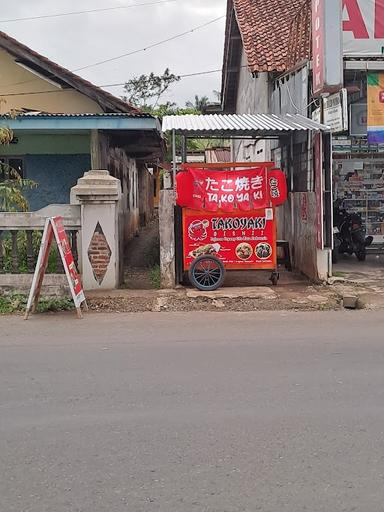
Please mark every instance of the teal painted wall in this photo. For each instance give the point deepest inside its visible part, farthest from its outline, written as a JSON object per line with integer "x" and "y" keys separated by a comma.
{"x": 55, "y": 176}
{"x": 28, "y": 144}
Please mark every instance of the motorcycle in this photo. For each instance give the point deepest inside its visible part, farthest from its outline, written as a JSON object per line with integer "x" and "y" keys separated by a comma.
{"x": 349, "y": 233}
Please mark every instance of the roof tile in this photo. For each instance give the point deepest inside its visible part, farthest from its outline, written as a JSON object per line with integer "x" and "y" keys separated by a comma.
{"x": 271, "y": 30}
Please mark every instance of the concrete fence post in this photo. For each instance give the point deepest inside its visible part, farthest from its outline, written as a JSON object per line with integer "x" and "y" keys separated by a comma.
{"x": 99, "y": 196}
{"x": 167, "y": 238}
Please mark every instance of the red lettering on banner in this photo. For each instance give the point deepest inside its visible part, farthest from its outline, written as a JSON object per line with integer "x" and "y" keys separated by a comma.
{"x": 355, "y": 23}
{"x": 379, "y": 19}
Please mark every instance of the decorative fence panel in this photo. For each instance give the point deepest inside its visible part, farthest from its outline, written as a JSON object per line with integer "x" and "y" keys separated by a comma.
{"x": 20, "y": 237}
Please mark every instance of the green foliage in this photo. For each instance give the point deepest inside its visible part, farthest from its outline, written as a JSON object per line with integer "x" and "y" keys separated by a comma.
{"x": 22, "y": 252}
{"x": 6, "y": 136}
{"x": 17, "y": 303}
{"x": 155, "y": 276}
{"x": 12, "y": 188}
{"x": 145, "y": 91}
{"x": 199, "y": 104}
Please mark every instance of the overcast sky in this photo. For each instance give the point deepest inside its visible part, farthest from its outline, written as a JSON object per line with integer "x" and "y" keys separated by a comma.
{"x": 79, "y": 40}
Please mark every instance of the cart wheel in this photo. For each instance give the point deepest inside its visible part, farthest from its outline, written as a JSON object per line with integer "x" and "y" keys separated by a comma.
{"x": 207, "y": 273}
{"x": 274, "y": 278}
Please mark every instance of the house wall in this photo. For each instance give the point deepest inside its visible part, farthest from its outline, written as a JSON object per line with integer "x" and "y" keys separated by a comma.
{"x": 146, "y": 195}
{"x": 253, "y": 97}
{"x": 55, "y": 175}
{"x": 14, "y": 80}
{"x": 54, "y": 162}
{"x": 126, "y": 170}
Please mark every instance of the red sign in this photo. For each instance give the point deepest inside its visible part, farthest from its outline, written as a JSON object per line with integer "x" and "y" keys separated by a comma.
{"x": 240, "y": 240}
{"x": 318, "y": 44}
{"x": 227, "y": 191}
{"x": 68, "y": 261}
{"x": 54, "y": 228}
{"x": 363, "y": 26}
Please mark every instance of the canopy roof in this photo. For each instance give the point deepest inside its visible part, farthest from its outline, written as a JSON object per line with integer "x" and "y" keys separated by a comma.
{"x": 235, "y": 125}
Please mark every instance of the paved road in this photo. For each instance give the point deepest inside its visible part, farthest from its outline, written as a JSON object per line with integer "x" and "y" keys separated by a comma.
{"x": 192, "y": 413}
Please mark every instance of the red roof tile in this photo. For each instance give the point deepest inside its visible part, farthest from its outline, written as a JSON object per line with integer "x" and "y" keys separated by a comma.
{"x": 269, "y": 32}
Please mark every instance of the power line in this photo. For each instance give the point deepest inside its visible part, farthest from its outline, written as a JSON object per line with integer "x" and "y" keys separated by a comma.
{"x": 125, "y": 55}
{"x": 119, "y": 84}
{"x": 99, "y": 63}
{"x": 90, "y": 11}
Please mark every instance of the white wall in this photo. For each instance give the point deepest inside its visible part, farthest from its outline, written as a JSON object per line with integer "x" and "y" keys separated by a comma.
{"x": 253, "y": 94}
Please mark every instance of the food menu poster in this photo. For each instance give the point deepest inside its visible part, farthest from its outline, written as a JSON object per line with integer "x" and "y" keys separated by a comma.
{"x": 239, "y": 240}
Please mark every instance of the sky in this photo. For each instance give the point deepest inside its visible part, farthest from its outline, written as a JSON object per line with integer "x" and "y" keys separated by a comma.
{"x": 79, "y": 40}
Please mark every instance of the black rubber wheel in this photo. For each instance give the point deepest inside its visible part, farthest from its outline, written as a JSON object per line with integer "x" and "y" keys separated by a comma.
{"x": 207, "y": 273}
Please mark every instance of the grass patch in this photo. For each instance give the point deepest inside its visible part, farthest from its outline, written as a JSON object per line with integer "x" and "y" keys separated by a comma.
{"x": 155, "y": 277}
{"x": 18, "y": 303}
{"x": 338, "y": 274}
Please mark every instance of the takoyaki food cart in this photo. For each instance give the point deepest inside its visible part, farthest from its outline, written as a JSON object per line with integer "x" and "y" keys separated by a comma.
{"x": 229, "y": 219}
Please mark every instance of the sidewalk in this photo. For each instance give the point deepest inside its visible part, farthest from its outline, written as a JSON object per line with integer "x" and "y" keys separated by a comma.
{"x": 251, "y": 291}
{"x": 243, "y": 291}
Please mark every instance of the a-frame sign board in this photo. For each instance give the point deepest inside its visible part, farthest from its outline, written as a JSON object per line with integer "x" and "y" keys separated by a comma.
{"x": 54, "y": 228}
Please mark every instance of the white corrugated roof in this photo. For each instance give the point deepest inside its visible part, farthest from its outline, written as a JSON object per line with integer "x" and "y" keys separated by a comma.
{"x": 245, "y": 124}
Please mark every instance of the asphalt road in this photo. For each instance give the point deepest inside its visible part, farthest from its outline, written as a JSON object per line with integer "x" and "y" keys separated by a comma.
{"x": 192, "y": 413}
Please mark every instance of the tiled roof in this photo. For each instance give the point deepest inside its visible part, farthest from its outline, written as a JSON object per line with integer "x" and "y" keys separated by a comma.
{"x": 266, "y": 28}
{"x": 106, "y": 100}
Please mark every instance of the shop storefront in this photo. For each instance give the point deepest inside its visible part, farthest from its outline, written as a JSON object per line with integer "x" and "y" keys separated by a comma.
{"x": 358, "y": 153}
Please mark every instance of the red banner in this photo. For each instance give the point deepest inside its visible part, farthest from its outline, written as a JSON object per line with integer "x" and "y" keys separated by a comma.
{"x": 240, "y": 240}
{"x": 227, "y": 191}
{"x": 67, "y": 257}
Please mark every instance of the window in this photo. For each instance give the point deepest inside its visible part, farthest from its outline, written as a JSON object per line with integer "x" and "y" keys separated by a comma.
{"x": 7, "y": 163}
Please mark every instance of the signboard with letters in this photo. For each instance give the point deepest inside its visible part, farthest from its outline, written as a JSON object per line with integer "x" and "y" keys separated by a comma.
{"x": 327, "y": 48}
{"x": 335, "y": 111}
{"x": 54, "y": 229}
{"x": 363, "y": 27}
{"x": 227, "y": 191}
{"x": 242, "y": 240}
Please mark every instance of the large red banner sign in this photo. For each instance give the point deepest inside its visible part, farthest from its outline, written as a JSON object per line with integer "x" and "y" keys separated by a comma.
{"x": 242, "y": 240}
{"x": 228, "y": 191}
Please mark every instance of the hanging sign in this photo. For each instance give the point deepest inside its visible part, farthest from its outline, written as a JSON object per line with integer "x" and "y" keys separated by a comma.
{"x": 241, "y": 240}
{"x": 54, "y": 229}
{"x": 327, "y": 48}
{"x": 335, "y": 111}
{"x": 376, "y": 108}
{"x": 227, "y": 191}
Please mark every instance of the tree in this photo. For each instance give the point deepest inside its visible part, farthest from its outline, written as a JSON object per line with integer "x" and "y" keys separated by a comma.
{"x": 145, "y": 91}
{"x": 199, "y": 104}
{"x": 12, "y": 185}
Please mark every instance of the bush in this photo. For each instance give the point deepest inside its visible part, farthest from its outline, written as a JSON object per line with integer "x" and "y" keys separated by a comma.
{"x": 22, "y": 252}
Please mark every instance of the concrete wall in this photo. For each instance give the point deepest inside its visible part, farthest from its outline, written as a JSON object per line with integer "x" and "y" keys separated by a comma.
{"x": 125, "y": 169}
{"x": 253, "y": 97}
{"x": 15, "y": 79}
{"x": 297, "y": 224}
{"x": 55, "y": 175}
{"x": 146, "y": 195}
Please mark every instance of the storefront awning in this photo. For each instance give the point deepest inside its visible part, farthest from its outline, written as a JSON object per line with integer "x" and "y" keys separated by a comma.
{"x": 236, "y": 125}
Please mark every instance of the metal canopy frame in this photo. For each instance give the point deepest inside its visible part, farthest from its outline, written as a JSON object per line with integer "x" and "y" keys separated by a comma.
{"x": 282, "y": 128}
